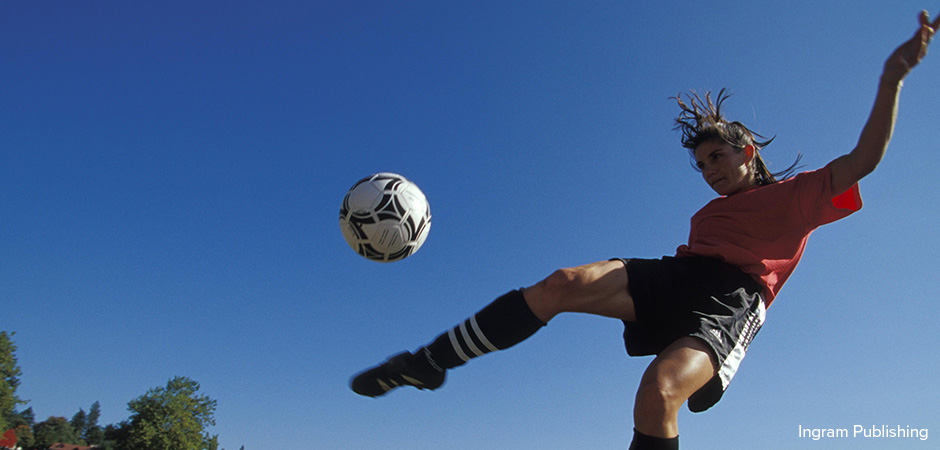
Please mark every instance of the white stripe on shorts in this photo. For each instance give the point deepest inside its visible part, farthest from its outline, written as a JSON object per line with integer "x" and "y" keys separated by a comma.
{"x": 753, "y": 324}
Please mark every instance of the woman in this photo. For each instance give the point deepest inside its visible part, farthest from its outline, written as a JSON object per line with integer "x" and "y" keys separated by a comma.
{"x": 697, "y": 311}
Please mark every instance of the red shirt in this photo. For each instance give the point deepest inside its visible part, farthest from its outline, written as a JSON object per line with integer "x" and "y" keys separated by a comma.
{"x": 764, "y": 231}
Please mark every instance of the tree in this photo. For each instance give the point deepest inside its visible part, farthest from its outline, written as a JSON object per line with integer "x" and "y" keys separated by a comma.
{"x": 114, "y": 435}
{"x": 93, "y": 434}
{"x": 24, "y": 436}
{"x": 22, "y": 424}
{"x": 28, "y": 417}
{"x": 9, "y": 380}
{"x": 54, "y": 429}
{"x": 78, "y": 422}
{"x": 171, "y": 417}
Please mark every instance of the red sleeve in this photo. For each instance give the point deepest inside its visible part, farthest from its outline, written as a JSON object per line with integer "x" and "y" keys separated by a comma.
{"x": 850, "y": 199}
{"x": 819, "y": 203}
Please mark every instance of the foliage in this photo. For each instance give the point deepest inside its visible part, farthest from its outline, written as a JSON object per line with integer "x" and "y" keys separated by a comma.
{"x": 9, "y": 380}
{"x": 114, "y": 435}
{"x": 24, "y": 436}
{"x": 78, "y": 422}
{"x": 171, "y": 417}
{"x": 52, "y": 430}
{"x": 92, "y": 433}
{"x": 26, "y": 417}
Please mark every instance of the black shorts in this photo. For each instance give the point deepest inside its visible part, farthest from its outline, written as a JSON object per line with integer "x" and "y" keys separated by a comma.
{"x": 700, "y": 297}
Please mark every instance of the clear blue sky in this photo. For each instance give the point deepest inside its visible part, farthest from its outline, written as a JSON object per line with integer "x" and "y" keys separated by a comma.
{"x": 171, "y": 175}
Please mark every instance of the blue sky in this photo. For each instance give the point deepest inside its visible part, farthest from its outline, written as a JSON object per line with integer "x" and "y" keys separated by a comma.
{"x": 171, "y": 175}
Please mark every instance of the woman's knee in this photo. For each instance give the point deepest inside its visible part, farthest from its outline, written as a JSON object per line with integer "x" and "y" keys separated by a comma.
{"x": 561, "y": 285}
{"x": 656, "y": 409}
{"x": 599, "y": 288}
{"x": 658, "y": 394}
{"x": 564, "y": 282}
{"x": 551, "y": 296}
{"x": 678, "y": 371}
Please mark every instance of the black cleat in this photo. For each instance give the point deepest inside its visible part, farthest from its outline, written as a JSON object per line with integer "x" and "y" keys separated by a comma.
{"x": 397, "y": 371}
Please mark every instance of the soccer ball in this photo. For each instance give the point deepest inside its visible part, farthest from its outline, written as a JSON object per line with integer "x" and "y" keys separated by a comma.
{"x": 385, "y": 217}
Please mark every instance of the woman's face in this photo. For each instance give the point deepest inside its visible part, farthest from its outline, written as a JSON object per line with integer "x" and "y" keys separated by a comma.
{"x": 726, "y": 169}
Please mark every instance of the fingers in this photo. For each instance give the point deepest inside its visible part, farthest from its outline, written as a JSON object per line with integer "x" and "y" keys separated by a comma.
{"x": 927, "y": 28}
{"x": 924, "y": 19}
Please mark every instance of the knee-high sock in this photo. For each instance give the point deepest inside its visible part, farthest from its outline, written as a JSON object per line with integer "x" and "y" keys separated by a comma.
{"x": 504, "y": 323}
{"x": 644, "y": 442}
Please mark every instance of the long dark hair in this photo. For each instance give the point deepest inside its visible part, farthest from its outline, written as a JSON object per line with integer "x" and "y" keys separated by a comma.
{"x": 701, "y": 120}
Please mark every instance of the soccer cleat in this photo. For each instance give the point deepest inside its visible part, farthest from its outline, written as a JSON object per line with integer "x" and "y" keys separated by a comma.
{"x": 397, "y": 371}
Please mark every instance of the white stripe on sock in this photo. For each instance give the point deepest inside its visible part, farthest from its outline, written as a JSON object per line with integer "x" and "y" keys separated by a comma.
{"x": 476, "y": 329}
{"x": 466, "y": 337}
{"x": 456, "y": 344}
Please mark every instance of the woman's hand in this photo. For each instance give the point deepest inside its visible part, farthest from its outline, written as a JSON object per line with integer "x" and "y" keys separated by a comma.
{"x": 910, "y": 53}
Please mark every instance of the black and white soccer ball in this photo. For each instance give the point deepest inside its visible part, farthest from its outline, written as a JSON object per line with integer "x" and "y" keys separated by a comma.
{"x": 385, "y": 217}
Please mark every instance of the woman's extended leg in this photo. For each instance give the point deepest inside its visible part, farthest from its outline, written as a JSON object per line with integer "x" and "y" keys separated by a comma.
{"x": 599, "y": 288}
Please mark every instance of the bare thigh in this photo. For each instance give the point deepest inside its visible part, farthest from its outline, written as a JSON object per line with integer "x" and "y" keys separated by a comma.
{"x": 599, "y": 288}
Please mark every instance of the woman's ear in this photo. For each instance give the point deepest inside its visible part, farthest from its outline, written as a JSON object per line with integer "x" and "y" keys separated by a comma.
{"x": 748, "y": 153}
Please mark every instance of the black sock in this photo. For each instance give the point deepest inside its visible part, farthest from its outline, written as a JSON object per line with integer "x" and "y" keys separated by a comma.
{"x": 644, "y": 442}
{"x": 504, "y": 323}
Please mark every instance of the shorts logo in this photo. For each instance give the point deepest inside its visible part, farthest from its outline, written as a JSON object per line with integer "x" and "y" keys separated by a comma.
{"x": 715, "y": 332}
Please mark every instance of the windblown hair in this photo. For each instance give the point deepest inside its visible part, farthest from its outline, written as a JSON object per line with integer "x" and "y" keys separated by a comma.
{"x": 701, "y": 120}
